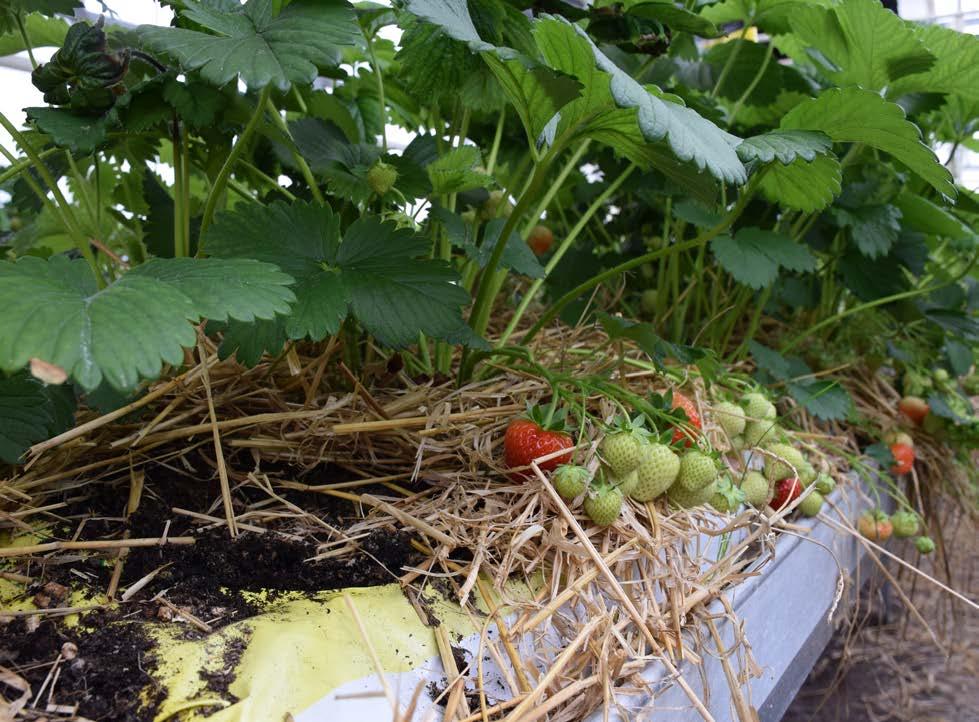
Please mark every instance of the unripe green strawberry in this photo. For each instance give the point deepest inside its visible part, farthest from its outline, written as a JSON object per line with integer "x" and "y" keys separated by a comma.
{"x": 656, "y": 472}
{"x": 825, "y": 484}
{"x": 757, "y": 407}
{"x": 737, "y": 442}
{"x": 807, "y": 474}
{"x": 776, "y": 470}
{"x": 757, "y": 489}
{"x": 647, "y": 303}
{"x": 730, "y": 417}
{"x": 570, "y": 480}
{"x": 755, "y": 432}
{"x": 603, "y": 504}
{"x": 924, "y": 545}
{"x": 381, "y": 177}
{"x": 626, "y": 484}
{"x": 905, "y": 524}
{"x": 811, "y": 505}
{"x": 726, "y": 497}
{"x": 621, "y": 451}
{"x": 685, "y": 498}
{"x": 697, "y": 470}
{"x": 940, "y": 375}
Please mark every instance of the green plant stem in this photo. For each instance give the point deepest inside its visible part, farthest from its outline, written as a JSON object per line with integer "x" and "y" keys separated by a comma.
{"x": 753, "y": 325}
{"x": 184, "y": 200}
{"x": 495, "y": 148}
{"x": 268, "y": 180}
{"x": 483, "y": 306}
{"x": 80, "y": 181}
{"x": 307, "y": 174}
{"x": 571, "y": 164}
{"x": 217, "y": 189}
{"x": 729, "y": 64}
{"x": 704, "y": 237}
{"x": 380, "y": 91}
{"x": 27, "y": 41}
{"x": 753, "y": 84}
{"x": 180, "y": 244}
{"x": 20, "y": 166}
{"x": 562, "y": 248}
{"x": 66, "y": 213}
{"x": 924, "y": 290}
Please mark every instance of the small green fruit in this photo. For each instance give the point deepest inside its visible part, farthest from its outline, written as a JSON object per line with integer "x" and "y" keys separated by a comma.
{"x": 775, "y": 469}
{"x": 755, "y": 432}
{"x": 626, "y": 484}
{"x": 570, "y": 480}
{"x": 757, "y": 407}
{"x": 757, "y": 489}
{"x": 811, "y": 505}
{"x": 686, "y": 499}
{"x": 697, "y": 471}
{"x": 381, "y": 177}
{"x": 647, "y": 303}
{"x": 730, "y": 417}
{"x": 726, "y": 497}
{"x": 825, "y": 484}
{"x": 621, "y": 451}
{"x": 656, "y": 472}
{"x": 807, "y": 474}
{"x": 603, "y": 504}
{"x": 905, "y": 524}
{"x": 924, "y": 545}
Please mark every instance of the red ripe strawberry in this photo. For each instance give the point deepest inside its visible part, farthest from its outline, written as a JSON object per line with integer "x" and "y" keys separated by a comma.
{"x": 915, "y": 408}
{"x": 903, "y": 458}
{"x": 693, "y": 418}
{"x": 786, "y": 491}
{"x": 526, "y": 440}
{"x": 540, "y": 240}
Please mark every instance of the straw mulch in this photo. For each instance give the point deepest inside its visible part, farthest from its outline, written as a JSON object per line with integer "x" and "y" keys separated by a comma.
{"x": 606, "y": 603}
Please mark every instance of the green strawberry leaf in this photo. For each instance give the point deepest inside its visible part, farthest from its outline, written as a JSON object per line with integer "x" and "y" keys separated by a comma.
{"x": 785, "y": 146}
{"x": 662, "y": 121}
{"x": 920, "y": 214}
{"x": 517, "y": 255}
{"x": 881, "y": 453}
{"x": 219, "y": 288}
{"x": 754, "y": 256}
{"x": 79, "y": 133}
{"x": 659, "y": 349}
{"x": 256, "y": 43}
{"x": 675, "y": 16}
{"x": 769, "y": 15}
{"x": 956, "y": 69}
{"x": 41, "y": 31}
{"x": 803, "y": 186}
{"x": 457, "y": 171}
{"x": 248, "y": 342}
{"x": 853, "y": 115}
{"x": 822, "y": 398}
{"x": 874, "y": 228}
{"x": 55, "y": 312}
{"x": 868, "y": 45}
{"x": 31, "y": 412}
{"x": 378, "y": 272}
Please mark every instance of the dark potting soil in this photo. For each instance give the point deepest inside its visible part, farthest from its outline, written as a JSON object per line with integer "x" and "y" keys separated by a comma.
{"x": 107, "y": 674}
{"x": 205, "y": 579}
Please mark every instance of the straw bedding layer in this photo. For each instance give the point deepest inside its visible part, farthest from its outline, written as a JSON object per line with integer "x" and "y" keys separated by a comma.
{"x": 607, "y": 602}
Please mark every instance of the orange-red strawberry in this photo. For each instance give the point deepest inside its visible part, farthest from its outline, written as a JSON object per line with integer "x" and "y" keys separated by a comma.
{"x": 526, "y": 440}
{"x": 903, "y": 458}
{"x": 786, "y": 491}
{"x": 875, "y": 526}
{"x": 540, "y": 240}
{"x": 915, "y": 408}
{"x": 692, "y": 427}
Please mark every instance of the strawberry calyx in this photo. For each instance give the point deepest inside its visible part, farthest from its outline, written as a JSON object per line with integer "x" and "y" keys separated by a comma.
{"x": 549, "y": 417}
